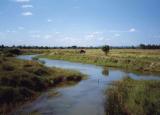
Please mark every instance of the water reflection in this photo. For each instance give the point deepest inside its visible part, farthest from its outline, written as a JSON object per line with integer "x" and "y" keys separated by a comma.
{"x": 105, "y": 71}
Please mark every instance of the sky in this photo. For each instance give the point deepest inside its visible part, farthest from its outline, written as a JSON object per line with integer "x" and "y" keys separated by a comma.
{"x": 79, "y": 22}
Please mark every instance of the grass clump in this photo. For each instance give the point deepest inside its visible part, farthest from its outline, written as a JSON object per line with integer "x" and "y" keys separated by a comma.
{"x": 132, "y": 97}
{"x": 10, "y": 52}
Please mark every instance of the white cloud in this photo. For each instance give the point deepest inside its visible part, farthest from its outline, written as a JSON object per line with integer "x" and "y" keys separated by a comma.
{"x": 34, "y": 31}
{"x": 90, "y": 36}
{"x": 49, "y": 20}
{"x": 132, "y": 30}
{"x": 27, "y": 13}
{"x": 11, "y": 31}
{"x": 57, "y": 32}
{"x": 35, "y": 36}
{"x": 93, "y": 34}
{"x": 22, "y": 1}
{"x": 20, "y": 28}
{"x": 117, "y": 35}
{"x": 102, "y": 38}
{"x": 27, "y": 6}
{"x": 8, "y": 31}
{"x": 48, "y": 36}
{"x": 123, "y": 31}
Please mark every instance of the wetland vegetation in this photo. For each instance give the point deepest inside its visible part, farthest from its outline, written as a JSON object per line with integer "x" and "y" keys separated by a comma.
{"x": 133, "y": 97}
{"x": 140, "y": 60}
{"x": 22, "y": 81}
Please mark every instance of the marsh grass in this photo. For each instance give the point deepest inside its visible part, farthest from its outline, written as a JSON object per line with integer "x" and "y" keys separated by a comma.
{"x": 132, "y": 97}
{"x": 147, "y": 61}
{"x": 22, "y": 81}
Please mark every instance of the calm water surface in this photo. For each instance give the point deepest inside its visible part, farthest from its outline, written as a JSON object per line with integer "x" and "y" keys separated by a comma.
{"x": 85, "y": 98}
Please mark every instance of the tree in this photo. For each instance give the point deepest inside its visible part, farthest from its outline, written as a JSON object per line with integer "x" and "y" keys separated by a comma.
{"x": 105, "y": 49}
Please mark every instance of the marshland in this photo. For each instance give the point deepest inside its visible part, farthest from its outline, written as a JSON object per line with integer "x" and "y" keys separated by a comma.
{"x": 79, "y": 57}
{"x": 122, "y": 81}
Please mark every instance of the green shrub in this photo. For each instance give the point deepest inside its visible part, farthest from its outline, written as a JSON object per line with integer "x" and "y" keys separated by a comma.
{"x": 11, "y": 52}
{"x": 105, "y": 49}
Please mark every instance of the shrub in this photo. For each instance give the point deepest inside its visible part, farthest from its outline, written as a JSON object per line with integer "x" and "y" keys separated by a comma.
{"x": 105, "y": 49}
{"x": 12, "y": 52}
{"x": 15, "y": 51}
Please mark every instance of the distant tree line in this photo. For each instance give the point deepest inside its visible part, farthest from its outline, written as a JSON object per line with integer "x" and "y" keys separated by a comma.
{"x": 149, "y": 46}
{"x": 47, "y": 47}
{"x": 141, "y": 46}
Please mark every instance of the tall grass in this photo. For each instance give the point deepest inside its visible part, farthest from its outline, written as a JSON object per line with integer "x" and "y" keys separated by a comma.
{"x": 147, "y": 61}
{"x": 132, "y": 97}
{"x": 21, "y": 81}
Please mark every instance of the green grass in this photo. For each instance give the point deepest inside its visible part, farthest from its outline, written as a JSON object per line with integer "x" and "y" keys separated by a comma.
{"x": 21, "y": 81}
{"x": 132, "y": 97}
{"x": 147, "y": 61}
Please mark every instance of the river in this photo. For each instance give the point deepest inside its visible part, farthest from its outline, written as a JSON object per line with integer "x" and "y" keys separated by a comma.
{"x": 85, "y": 98}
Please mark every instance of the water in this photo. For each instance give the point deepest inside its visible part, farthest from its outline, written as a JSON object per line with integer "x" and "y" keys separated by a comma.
{"x": 85, "y": 98}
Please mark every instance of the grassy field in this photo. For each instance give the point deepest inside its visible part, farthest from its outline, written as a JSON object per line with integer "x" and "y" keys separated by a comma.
{"x": 131, "y": 97}
{"x": 130, "y": 59}
{"x": 22, "y": 81}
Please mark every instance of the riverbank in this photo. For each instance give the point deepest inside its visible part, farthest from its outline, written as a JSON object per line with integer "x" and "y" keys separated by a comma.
{"x": 133, "y": 97}
{"x": 145, "y": 61}
{"x": 22, "y": 81}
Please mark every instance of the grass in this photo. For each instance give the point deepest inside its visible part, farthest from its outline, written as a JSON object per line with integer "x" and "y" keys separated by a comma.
{"x": 22, "y": 81}
{"x": 147, "y": 61}
{"x": 132, "y": 97}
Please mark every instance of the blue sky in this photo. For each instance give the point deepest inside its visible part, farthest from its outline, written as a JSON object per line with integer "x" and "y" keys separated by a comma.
{"x": 79, "y": 22}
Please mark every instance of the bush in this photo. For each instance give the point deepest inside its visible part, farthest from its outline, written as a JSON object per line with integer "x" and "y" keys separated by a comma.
{"x": 12, "y": 52}
{"x": 105, "y": 49}
{"x": 15, "y": 51}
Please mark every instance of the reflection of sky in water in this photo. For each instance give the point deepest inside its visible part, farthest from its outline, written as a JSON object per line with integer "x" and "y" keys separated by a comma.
{"x": 85, "y": 98}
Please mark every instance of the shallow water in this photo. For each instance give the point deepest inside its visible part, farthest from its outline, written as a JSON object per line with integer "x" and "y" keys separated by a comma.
{"x": 85, "y": 98}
